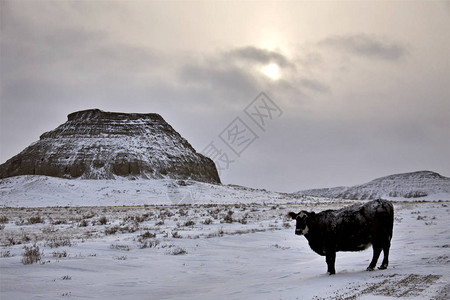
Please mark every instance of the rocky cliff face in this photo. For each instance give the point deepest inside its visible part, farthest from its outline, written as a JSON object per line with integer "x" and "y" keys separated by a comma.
{"x": 421, "y": 184}
{"x": 94, "y": 144}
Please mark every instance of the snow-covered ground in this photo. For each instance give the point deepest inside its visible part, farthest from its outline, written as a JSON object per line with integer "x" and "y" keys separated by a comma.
{"x": 42, "y": 191}
{"x": 223, "y": 250}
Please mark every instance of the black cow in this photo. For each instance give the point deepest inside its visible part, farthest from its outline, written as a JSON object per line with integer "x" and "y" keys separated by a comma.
{"x": 353, "y": 228}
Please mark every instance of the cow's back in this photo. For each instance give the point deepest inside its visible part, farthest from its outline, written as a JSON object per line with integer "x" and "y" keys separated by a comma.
{"x": 356, "y": 227}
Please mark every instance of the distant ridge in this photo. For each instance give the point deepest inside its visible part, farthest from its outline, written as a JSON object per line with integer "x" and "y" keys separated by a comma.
{"x": 417, "y": 185}
{"x": 95, "y": 144}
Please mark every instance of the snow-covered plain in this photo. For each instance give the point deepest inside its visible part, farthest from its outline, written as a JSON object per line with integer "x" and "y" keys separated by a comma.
{"x": 239, "y": 247}
{"x": 42, "y": 191}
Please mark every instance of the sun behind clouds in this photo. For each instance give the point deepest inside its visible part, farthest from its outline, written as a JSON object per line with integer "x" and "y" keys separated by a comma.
{"x": 272, "y": 71}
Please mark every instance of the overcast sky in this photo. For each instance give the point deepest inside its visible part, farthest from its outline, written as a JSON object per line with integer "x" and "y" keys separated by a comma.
{"x": 362, "y": 88}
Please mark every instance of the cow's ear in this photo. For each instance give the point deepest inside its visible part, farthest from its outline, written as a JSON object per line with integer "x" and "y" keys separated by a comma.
{"x": 311, "y": 214}
{"x": 293, "y": 215}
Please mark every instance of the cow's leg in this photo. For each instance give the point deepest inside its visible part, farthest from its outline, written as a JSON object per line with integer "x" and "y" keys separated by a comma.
{"x": 331, "y": 258}
{"x": 385, "y": 262}
{"x": 376, "y": 255}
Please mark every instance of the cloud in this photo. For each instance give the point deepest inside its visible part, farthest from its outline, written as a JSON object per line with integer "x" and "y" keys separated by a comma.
{"x": 368, "y": 46}
{"x": 215, "y": 76}
{"x": 314, "y": 85}
{"x": 68, "y": 53}
{"x": 237, "y": 74}
{"x": 68, "y": 43}
{"x": 258, "y": 55}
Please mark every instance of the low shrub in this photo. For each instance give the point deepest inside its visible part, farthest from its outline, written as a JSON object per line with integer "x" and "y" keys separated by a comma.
{"x": 147, "y": 235}
{"x": 229, "y": 217}
{"x": 148, "y": 244}
{"x": 178, "y": 251}
{"x": 111, "y": 230}
{"x": 207, "y": 221}
{"x": 189, "y": 223}
{"x": 176, "y": 235}
{"x": 60, "y": 254}
{"x": 103, "y": 220}
{"x": 35, "y": 220}
{"x": 83, "y": 223}
{"x": 120, "y": 247}
{"x": 55, "y": 243}
{"x": 31, "y": 255}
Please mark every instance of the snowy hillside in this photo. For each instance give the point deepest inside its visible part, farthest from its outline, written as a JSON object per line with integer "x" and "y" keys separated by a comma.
{"x": 416, "y": 185}
{"x": 42, "y": 191}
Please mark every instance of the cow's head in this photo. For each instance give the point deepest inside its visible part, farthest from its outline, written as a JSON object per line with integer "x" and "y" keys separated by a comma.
{"x": 303, "y": 219}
